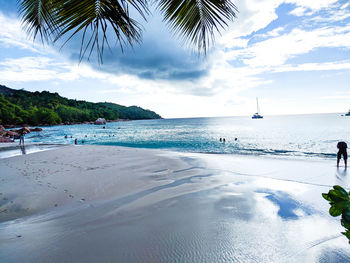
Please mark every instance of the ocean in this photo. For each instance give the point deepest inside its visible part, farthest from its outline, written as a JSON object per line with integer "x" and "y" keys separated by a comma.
{"x": 312, "y": 135}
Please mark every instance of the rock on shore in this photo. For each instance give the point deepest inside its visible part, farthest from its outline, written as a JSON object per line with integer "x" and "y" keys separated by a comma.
{"x": 100, "y": 121}
{"x": 8, "y": 136}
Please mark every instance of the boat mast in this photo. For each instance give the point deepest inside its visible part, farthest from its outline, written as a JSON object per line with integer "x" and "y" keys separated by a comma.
{"x": 257, "y": 106}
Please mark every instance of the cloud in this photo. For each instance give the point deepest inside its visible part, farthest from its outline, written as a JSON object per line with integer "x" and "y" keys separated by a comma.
{"x": 255, "y": 15}
{"x": 337, "y": 96}
{"x": 276, "y": 51}
{"x": 11, "y": 34}
{"x": 29, "y": 69}
{"x": 161, "y": 55}
{"x": 312, "y": 4}
{"x": 39, "y": 68}
{"x": 332, "y": 15}
{"x": 299, "y": 11}
{"x": 339, "y": 65}
{"x": 167, "y": 76}
{"x": 155, "y": 61}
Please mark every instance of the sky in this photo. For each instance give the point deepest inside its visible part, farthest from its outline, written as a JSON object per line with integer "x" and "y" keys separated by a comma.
{"x": 294, "y": 55}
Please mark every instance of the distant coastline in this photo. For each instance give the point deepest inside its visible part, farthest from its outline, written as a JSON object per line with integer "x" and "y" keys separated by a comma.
{"x": 9, "y": 132}
{"x": 12, "y": 126}
{"x": 20, "y": 108}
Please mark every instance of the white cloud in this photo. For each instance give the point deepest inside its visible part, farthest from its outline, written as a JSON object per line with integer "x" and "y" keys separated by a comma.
{"x": 299, "y": 11}
{"x": 231, "y": 42}
{"x": 332, "y": 16}
{"x": 312, "y": 4}
{"x": 276, "y": 51}
{"x": 256, "y": 14}
{"x": 253, "y": 15}
{"x": 41, "y": 68}
{"x": 341, "y": 65}
{"x": 12, "y": 35}
{"x": 337, "y": 96}
{"x": 346, "y": 5}
{"x": 27, "y": 69}
{"x": 236, "y": 66}
{"x": 274, "y": 33}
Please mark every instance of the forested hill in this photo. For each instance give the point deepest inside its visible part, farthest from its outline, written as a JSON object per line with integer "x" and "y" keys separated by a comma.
{"x": 45, "y": 108}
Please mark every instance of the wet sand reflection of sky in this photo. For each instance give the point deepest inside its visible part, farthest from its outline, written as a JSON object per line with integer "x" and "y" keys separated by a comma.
{"x": 288, "y": 206}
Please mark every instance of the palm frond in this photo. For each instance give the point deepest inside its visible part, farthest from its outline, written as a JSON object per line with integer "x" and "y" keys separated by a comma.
{"x": 198, "y": 20}
{"x": 93, "y": 18}
{"x": 38, "y": 18}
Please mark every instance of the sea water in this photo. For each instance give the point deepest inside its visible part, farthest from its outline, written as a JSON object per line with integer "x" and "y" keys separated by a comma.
{"x": 314, "y": 135}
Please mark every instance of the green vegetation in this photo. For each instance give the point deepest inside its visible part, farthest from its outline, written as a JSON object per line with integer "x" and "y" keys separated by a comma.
{"x": 339, "y": 199}
{"x": 45, "y": 108}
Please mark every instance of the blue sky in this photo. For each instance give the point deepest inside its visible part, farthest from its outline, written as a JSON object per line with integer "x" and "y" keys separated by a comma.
{"x": 292, "y": 54}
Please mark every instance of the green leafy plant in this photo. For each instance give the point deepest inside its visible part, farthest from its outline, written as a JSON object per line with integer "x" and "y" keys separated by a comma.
{"x": 339, "y": 199}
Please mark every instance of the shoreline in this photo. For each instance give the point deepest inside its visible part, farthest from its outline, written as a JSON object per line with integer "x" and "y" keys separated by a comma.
{"x": 8, "y": 150}
{"x": 13, "y": 126}
{"x": 262, "y": 138}
{"x": 49, "y": 146}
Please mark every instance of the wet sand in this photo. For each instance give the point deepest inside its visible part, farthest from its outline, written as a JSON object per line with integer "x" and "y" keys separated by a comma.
{"x": 8, "y": 150}
{"x": 115, "y": 204}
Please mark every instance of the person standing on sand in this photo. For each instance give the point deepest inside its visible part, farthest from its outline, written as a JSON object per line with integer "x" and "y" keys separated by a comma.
{"x": 342, "y": 151}
{"x": 21, "y": 138}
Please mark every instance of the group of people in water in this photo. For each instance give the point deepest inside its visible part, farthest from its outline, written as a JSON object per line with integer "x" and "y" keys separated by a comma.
{"x": 224, "y": 140}
{"x": 76, "y": 140}
{"x": 342, "y": 146}
{"x": 82, "y": 141}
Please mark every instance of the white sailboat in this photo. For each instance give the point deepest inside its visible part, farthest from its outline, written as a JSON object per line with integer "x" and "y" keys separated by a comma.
{"x": 257, "y": 115}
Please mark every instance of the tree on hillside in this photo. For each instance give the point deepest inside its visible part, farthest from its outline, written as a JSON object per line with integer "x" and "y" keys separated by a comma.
{"x": 34, "y": 108}
{"x": 194, "y": 20}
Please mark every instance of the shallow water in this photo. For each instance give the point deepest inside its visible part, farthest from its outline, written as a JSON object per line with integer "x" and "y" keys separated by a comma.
{"x": 295, "y": 135}
{"x": 15, "y": 149}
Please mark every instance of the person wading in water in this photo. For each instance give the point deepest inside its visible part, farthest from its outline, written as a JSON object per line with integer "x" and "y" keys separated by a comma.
{"x": 342, "y": 151}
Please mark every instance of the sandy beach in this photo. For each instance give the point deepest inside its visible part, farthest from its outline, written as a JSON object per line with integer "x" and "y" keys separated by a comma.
{"x": 116, "y": 204}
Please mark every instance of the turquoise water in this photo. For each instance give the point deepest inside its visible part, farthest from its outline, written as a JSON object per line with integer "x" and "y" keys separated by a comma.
{"x": 294, "y": 135}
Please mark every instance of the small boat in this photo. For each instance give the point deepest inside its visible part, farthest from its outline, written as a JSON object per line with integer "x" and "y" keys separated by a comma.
{"x": 347, "y": 114}
{"x": 257, "y": 115}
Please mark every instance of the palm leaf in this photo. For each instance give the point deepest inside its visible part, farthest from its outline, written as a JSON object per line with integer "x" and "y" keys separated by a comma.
{"x": 38, "y": 18}
{"x": 195, "y": 20}
{"x": 198, "y": 20}
{"x": 93, "y": 18}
